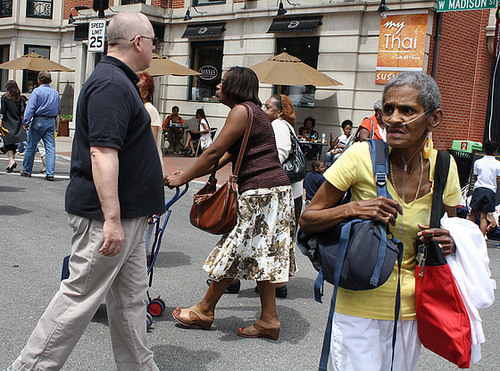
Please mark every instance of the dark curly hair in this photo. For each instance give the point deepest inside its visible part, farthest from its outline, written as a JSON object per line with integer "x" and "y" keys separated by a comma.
{"x": 240, "y": 85}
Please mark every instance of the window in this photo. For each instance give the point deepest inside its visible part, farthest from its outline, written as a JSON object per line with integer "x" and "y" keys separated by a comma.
{"x": 30, "y": 80}
{"x": 206, "y": 58}
{"x": 128, "y": 2}
{"x": 5, "y": 8}
{"x": 306, "y": 49}
{"x": 39, "y": 9}
{"x": 204, "y": 2}
{"x": 4, "y": 57}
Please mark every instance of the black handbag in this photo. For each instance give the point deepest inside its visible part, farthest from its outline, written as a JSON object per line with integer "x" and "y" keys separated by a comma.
{"x": 370, "y": 254}
{"x": 295, "y": 165}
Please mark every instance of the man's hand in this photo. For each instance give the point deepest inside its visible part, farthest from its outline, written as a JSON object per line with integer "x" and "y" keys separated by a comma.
{"x": 113, "y": 238}
{"x": 26, "y": 127}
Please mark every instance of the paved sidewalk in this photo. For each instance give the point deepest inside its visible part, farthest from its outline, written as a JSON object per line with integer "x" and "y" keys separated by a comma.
{"x": 171, "y": 162}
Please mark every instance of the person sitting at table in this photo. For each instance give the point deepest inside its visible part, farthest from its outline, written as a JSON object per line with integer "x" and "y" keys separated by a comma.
{"x": 379, "y": 131}
{"x": 308, "y": 133}
{"x": 338, "y": 144}
{"x": 174, "y": 134}
{"x": 202, "y": 134}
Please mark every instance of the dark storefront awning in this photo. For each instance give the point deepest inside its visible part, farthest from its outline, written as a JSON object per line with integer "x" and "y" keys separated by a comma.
{"x": 297, "y": 24}
{"x": 204, "y": 30}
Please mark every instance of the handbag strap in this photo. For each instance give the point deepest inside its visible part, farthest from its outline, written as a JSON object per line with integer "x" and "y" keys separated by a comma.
{"x": 440, "y": 178}
{"x": 243, "y": 144}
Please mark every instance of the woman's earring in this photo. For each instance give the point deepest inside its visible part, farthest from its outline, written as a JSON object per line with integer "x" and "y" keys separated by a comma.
{"x": 426, "y": 150}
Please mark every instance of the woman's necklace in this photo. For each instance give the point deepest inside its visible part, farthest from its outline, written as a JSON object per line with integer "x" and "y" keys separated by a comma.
{"x": 405, "y": 169}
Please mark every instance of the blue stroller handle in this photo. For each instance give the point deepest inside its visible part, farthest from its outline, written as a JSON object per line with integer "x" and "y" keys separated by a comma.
{"x": 177, "y": 196}
{"x": 160, "y": 230}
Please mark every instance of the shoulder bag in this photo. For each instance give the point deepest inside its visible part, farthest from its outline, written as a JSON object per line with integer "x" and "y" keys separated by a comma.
{"x": 295, "y": 165}
{"x": 442, "y": 319}
{"x": 216, "y": 210}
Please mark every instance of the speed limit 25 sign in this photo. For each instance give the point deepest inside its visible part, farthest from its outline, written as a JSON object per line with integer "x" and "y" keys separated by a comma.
{"x": 97, "y": 32}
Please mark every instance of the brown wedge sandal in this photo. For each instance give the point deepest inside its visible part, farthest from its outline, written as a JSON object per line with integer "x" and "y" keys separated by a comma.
{"x": 260, "y": 329}
{"x": 192, "y": 317}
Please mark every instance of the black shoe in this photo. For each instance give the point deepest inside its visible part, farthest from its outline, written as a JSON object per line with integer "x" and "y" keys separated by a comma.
{"x": 11, "y": 168}
{"x": 50, "y": 178}
{"x": 23, "y": 173}
{"x": 281, "y": 292}
{"x": 233, "y": 288}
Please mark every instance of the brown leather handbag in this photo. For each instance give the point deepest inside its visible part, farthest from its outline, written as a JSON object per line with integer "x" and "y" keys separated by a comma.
{"x": 216, "y": 210}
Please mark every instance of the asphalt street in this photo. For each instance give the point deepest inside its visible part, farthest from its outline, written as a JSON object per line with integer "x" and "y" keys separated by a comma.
{"x": 35, "y": 237}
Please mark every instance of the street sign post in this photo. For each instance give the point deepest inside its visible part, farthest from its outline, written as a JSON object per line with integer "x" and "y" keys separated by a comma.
{"x": 451, "y": 5}
{"x": 97, "y": 32}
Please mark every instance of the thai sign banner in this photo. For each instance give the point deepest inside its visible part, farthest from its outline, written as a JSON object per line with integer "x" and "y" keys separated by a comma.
{"x": 401, "y": 44}
{"x": 449, "y": 5}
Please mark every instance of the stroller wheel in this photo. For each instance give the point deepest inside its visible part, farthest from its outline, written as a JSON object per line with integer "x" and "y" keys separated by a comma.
{"x": 155, "y": 308}
{"x": 149, "y": 321}
{"x": 162, "y": 302}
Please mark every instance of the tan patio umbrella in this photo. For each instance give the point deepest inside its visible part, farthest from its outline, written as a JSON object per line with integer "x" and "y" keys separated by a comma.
{"x": 34, "y": 62}
{"x": 164, "y": 66}
{"x": 285, "y": 69}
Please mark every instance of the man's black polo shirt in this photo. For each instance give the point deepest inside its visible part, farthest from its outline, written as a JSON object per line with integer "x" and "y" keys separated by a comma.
{"x": 110, "y": 113}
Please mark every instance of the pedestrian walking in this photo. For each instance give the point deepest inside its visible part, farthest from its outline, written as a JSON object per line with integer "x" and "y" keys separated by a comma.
{"x": 12, "y": 110}
{"x": 363, "y": 321}
{"x": 260, "y": 246}
{"x": 41, "y": 118}
{"x": 486, "y": 173}
{"x": 116, "y": 183}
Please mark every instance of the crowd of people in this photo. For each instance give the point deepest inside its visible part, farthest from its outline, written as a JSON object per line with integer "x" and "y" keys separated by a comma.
{"x": 117, "y": 179}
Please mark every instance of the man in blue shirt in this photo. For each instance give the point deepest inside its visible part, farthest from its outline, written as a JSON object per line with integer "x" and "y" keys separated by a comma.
{"x": 42, "y": 111}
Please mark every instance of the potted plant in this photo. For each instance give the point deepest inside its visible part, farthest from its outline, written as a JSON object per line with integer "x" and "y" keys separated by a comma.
{"x": 64, "y": 125}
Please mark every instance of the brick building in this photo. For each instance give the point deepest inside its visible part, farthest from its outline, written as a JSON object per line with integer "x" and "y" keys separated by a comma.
{"x": 339, "y": 38}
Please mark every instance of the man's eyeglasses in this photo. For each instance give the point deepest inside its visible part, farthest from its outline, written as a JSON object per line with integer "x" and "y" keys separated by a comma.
{"x": 154, "y": 39}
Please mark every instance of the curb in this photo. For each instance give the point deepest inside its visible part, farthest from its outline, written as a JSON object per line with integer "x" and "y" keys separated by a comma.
{"x": 63, "y": 158}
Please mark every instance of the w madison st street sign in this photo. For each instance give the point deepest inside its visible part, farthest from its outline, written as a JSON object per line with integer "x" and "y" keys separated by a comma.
{"x": 449, "y": 5}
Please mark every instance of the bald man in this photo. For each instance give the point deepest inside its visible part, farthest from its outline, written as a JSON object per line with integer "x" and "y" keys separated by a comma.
{"x": 116, "y": 183}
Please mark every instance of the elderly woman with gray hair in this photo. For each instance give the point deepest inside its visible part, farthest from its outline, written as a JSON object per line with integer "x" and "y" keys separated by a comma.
{"x": 373, "y": 124}
{"x": 363, "y": 320}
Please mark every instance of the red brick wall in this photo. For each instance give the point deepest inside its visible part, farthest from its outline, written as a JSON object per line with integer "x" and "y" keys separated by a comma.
{"x": 177, "y": 4}
{"x": 160, "y": 3}
{"x": 463, "y": 76}
{"x": 70, "y": 4}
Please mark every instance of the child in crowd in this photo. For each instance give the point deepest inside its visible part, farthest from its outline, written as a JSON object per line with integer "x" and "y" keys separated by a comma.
{"x": 314, "y": 179}
{"x": 486, "y": 172}
{"x": 337, "y": 145}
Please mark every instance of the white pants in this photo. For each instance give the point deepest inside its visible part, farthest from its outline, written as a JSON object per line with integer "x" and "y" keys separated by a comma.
{"x": 120, "y": 279}
{"x": 363, "y": 344}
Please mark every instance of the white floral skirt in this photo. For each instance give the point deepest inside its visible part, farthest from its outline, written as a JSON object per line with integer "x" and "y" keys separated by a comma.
{"x": 261, "y": 245}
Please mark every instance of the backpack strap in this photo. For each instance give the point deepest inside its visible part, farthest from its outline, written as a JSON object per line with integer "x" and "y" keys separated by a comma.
{"x": 379, "y": 152}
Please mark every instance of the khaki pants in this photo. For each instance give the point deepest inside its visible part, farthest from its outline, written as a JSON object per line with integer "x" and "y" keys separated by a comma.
{"x": 121, "y": 280}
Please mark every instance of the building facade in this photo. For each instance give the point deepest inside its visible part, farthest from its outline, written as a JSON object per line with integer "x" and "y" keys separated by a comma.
{"x": 339, "y": 38}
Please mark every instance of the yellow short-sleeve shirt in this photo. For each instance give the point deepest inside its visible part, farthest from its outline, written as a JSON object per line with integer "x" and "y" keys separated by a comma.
{"x": 354, "y": 170}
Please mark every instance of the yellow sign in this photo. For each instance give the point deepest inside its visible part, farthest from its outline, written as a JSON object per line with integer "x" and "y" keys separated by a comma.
{"x": 401, "y": 44}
